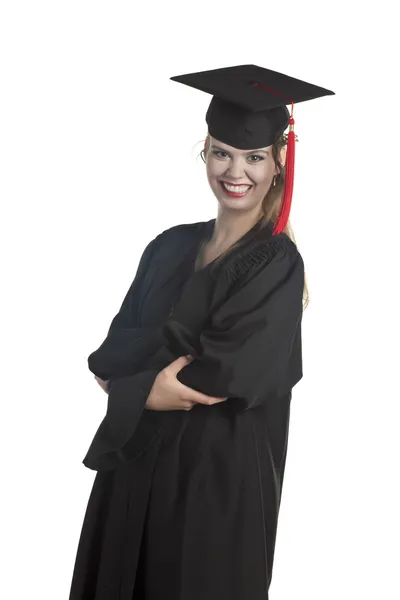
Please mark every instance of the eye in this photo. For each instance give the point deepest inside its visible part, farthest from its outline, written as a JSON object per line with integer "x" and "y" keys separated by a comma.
{"x": 219, "y": 152}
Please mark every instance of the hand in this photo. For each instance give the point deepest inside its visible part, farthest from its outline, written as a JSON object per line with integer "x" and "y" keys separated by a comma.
{"x": 102, "y": 384}
{"x": 168, "y": 393}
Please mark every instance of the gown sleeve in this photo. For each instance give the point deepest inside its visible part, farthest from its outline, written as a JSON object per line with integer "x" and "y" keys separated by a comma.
{"x": 127, "y": 346}
{"x": 247, "y": 347}
{"x": 251, "y": 347}
{"x": 121, "y": 359}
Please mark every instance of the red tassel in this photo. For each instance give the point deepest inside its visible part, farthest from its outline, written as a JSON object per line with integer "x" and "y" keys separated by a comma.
{"x": 284, "y": 211}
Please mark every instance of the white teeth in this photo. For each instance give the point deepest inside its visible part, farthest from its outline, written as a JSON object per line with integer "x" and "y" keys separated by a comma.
{"x": 239, "y": 189}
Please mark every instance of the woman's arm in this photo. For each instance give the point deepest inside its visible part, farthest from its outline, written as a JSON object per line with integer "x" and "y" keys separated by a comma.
{"x": 127, "y": 346}
{"x": 248, "y": 352}
{"x": 251, "y": 348}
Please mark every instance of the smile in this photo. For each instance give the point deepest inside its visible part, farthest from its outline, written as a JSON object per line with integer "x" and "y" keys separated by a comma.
{"x": 236, "y": 191}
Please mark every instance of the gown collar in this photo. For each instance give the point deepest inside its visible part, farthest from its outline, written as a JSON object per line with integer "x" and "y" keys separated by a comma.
{"x": 260, "y": 230}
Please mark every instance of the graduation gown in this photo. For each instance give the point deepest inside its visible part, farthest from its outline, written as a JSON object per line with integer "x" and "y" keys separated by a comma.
{"x": 185, "y": 503}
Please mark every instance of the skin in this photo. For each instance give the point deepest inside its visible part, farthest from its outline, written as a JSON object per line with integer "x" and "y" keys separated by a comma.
{"x": 235, "y": 217}
{"x": 168, "y": 393}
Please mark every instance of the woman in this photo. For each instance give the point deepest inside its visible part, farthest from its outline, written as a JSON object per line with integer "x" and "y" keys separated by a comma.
{"x": 199, "y": 364}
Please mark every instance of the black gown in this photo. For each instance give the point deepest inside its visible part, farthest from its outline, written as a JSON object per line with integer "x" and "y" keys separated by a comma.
{"x": 185, "y": 504}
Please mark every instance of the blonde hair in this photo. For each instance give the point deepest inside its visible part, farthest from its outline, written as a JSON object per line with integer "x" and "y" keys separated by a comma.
{"x": 272, "y": 199}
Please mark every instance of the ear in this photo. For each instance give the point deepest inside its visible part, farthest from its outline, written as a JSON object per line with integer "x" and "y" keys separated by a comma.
{"x": 282, "y": 156}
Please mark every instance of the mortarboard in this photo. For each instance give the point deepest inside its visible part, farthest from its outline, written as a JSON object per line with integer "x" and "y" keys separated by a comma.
{"x": 248, "y": 111}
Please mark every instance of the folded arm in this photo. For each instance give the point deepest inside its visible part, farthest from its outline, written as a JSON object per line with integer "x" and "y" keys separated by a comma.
{"x": 127, "y": 346}
{"x": 246, "y": 350}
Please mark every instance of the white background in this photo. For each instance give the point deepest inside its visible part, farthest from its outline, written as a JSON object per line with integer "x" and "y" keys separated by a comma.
{"x": 98, "y": 155}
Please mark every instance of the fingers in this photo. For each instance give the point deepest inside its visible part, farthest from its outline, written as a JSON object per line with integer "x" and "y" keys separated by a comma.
{"x": 179, "y": 363}
{"x": 188, "y": 405}
{"x": 208, "y": 400}
{"x": 192, "y": 396}
{"x": 103, "y": 384}
{"x": 195, "y": 396}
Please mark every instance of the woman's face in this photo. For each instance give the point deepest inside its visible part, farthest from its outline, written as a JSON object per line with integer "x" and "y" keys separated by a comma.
{"x": 228, "y": 165}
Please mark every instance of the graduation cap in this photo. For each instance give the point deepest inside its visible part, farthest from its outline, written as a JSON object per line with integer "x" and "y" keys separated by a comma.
{"x": 248, "y": 111}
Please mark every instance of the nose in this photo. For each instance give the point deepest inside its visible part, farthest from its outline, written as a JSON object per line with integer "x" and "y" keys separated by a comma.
{"x": 235, "y": 169}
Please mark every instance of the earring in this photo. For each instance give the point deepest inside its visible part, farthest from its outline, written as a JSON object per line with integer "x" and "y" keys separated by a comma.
{"x": 274, "y": 184}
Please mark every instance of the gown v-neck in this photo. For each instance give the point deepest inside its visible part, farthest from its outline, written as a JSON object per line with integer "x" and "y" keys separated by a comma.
{"x": 188, "y": 273}
{"x": 206, "y": 233}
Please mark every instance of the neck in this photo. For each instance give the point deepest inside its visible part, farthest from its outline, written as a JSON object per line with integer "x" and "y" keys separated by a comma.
{"x": 230, "y": 227}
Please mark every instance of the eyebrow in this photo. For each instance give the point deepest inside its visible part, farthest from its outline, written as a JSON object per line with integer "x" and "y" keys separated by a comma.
{"x": 248, "y": 152}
